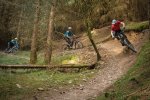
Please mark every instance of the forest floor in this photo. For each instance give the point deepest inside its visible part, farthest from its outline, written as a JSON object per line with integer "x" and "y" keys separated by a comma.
{"x": 116, "y": 60}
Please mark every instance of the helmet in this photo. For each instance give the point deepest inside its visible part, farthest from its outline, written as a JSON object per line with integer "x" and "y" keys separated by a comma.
{"x": 69, "y": 28}
{"x": 114, "y": 21}
{"x": 16, "y": 38}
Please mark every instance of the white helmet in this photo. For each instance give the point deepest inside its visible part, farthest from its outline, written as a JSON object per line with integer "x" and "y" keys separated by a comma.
{"x": 69, "y": 28}
{"x": 114, "y": 21}
{"x": 16, "y": 38}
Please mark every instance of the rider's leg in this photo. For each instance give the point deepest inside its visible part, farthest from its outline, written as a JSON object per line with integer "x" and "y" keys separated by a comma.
{"x": 122, "y": 43}
{"x": 119, "y": 32}
{"x": 71, "y": 41}
{"x": 11, "y": 44}
{"x": 116, "y": 35}
{"x": 67, "y": 39}
{"x": 8, "y": 45}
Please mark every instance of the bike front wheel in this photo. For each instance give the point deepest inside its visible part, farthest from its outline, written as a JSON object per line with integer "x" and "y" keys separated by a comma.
{"x": 129, "y": 45}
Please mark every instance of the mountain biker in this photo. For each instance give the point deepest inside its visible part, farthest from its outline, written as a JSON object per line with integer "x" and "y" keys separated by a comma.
{"x": 12, "y": 43}
{"x": 116, "y": 28}
{"x": 68, "y": 35}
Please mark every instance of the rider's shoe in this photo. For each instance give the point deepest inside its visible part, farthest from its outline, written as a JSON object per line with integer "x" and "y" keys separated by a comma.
{"x": 69, "y": 46}
{"x": 122, "y": 44}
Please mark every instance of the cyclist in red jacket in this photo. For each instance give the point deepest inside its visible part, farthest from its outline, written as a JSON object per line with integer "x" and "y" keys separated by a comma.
{"x": 116, "y": 28}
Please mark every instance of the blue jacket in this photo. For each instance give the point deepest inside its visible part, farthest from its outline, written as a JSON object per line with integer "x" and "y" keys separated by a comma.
{"x": 15, "y": 43}
{"x": 68, "y": 34}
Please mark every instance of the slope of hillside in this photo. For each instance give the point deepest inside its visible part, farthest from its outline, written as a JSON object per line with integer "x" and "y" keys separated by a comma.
{"x": 135, "y": 85}
{"x": 114, "y": 65}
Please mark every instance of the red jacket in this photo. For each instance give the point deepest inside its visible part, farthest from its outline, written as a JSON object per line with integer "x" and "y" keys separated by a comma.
{"x": 116, "y": 26}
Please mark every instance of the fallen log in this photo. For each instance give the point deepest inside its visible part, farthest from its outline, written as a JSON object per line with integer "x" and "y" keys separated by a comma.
{"x": 90, "y": 66}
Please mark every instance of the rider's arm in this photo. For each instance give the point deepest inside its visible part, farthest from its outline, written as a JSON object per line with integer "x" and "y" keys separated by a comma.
{"x": 73, "y": 35}
{"x": 66, "y": 34}
{"x": 112, "y": 33}
{"x": 17, "y": 45}
{"x": 123, "y": 24}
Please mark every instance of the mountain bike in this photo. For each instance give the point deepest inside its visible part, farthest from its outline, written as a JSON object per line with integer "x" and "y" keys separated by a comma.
{"x": 76, "y": 44}
{"x": 11, "y": 50}
{"x": 125, "y": 42}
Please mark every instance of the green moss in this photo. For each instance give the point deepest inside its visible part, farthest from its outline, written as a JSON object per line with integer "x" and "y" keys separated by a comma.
{"x": 137, "y": 26}
{"x": 65, "y": 59}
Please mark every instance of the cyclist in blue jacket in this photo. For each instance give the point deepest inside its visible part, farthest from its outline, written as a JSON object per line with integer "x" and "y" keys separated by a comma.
{"x": 68, "y": 35}
{"x": 12, "y": 43}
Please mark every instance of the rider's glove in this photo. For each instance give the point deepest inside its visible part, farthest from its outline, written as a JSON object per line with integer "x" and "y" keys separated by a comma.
{"x": 113, "y": 37}
{"x": 123, "y": 28}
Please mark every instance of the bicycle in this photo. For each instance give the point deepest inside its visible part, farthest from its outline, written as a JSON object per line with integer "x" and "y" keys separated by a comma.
{"x": 76, "y": 44}
{"x": 124, "y": 41}
{"x": 11, "y": 50}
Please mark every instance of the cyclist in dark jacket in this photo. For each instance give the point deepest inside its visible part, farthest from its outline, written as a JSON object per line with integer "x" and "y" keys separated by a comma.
{"x": 68, "y": 35}
{"x": 13, "y": 43}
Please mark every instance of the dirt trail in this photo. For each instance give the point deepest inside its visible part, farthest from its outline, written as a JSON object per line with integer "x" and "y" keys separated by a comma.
{"x": 117, "y": 65}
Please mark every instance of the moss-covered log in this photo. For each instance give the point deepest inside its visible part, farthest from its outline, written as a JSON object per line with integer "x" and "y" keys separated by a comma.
{"x": 89, "y": 66}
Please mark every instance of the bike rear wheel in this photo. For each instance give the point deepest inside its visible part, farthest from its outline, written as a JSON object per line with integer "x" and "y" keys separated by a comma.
{"x": 78, "y": 45}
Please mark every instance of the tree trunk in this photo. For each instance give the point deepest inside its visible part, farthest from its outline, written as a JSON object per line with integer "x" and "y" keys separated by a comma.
{"x": 33, "y": 55}
{"x": 48, "y": 53}
{"x": 92, "y": 41}
{"x": 19, "y": 23}
{"x": 149, "y": 17}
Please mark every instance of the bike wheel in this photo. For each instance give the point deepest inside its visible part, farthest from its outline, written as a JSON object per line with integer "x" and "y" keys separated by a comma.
{"x": 129, "y": 45}
{"x": 6, "y": 51}
{"x": 78, "y": 45}
{"x": 14, "y": 50}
